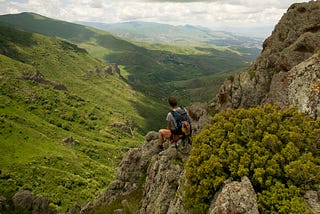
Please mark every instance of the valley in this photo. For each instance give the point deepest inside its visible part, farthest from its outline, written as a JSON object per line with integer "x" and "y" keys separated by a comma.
{"x": 67, "y": 119}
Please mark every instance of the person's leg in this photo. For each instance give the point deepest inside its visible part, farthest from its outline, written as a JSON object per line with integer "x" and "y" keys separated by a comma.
{"x": 163, "y": 133}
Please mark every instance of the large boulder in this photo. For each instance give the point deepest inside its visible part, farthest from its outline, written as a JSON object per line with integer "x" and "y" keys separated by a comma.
{"x": 29, "y": 202}
{"x": 236, "y": 198}
{"x": 312, "y": 199}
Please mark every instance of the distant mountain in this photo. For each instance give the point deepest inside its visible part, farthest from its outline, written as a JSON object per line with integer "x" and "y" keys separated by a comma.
{"x": 178, "y": 35}
{"x": 191, "y": 72}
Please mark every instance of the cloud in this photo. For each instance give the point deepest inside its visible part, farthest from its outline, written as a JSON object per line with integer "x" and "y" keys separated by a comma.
{"x": 215, "y": 14}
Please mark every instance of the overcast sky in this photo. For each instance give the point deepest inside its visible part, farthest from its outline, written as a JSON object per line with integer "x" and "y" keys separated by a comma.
{"x": 250, "y": 17}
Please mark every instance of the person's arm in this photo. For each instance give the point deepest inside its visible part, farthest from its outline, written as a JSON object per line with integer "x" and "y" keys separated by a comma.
{"x": 169, "y": 125}
{"x": 169, "y": 120}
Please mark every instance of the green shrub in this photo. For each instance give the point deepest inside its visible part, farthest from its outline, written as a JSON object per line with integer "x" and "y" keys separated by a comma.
{"x": 272, "y": 147}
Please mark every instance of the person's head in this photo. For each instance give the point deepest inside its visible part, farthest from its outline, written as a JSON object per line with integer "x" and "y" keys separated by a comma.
{"x": 172, "y": 101}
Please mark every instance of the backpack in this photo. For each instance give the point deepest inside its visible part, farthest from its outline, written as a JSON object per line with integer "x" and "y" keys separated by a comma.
{"x": 183, "y": 127}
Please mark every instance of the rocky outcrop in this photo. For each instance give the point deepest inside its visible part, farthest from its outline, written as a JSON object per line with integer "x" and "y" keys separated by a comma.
{"x": 298, "y": 87}
{"x": 157, "y": 173}
{"x": 199, "y": 115}
{"x": 271, "y": 79}
{"x": 312, "y": 199}
{"x": 164, "y": 178}
{"x": 39, "y": 77}
{"x": 29, "y": 202}
{"x": 110, "y": 69}
{"x": 113, "y": 69}
{"x": 304, "y": 86}
{"x": 237, "y": 198}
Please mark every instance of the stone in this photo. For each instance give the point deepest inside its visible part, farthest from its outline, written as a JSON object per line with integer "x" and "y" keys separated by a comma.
{"x": 236, "y": 198}
{"x": 36, "y": 204}
{"x": 312, "y": 199}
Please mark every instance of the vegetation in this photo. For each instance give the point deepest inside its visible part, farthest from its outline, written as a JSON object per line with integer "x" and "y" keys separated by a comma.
{"x": 64, "y": 144}
{"x": 155, "y": 70}
{"x": 277, "y": 149}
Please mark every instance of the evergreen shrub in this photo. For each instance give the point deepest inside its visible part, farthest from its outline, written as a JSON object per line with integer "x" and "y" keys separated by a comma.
{"x": 279, "y": 150}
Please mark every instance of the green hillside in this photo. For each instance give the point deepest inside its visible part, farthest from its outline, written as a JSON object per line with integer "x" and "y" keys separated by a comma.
{"x": 156, "y": 70}
{"x": 64, "y": 131}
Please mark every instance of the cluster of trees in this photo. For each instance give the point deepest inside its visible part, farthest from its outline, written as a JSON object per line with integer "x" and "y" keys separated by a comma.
{"x": 279, "y": 150}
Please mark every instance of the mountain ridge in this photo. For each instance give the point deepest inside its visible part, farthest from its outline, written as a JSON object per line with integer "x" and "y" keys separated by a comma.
{"x": 182, "y": 34}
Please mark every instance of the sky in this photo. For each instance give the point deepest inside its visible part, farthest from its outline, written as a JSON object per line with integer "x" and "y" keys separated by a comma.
{"x": 247, "y": 17}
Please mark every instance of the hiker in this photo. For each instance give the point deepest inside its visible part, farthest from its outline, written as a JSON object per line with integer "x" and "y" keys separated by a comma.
{"x": 176, "y": 120}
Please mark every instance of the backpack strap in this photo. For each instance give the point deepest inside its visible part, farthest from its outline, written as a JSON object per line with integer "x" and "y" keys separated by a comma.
{"x": 177, "y": 119}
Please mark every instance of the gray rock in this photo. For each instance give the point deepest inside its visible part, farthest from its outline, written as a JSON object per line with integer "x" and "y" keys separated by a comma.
{"x": 36, "y": 204}
{"x": 237, "y": 198}
{"x": 312, "y": 199}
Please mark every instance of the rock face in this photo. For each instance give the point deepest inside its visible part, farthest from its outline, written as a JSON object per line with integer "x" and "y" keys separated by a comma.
{"x": 39, "y": 77}
{"x": 164, "y": 178}
{"x": 312, "y": 198}
{"x": 132, "y": 168}
{"x": 160, "y": 175}
{"x": 304, "y": 86}
{"x": 199, "y": 114}
{"x": 29, "y": 202}
{"x": 237, "y": 198}
{"x": 274, "y": 76}
{"x": 113, "y": 69}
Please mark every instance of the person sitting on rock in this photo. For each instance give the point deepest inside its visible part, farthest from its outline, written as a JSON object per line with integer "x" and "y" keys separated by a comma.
{"x": 171, "y": 132}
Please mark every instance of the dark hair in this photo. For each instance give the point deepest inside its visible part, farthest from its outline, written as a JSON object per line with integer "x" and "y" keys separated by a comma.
{"x": 172, "y": 101}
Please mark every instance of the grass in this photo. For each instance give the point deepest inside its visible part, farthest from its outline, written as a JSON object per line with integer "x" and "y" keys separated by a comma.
{"x": 36, "y": 119}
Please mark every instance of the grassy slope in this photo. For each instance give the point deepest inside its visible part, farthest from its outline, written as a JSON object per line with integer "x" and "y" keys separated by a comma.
{"x": 153, "y": 69}
{"x": 35, "y": 119}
